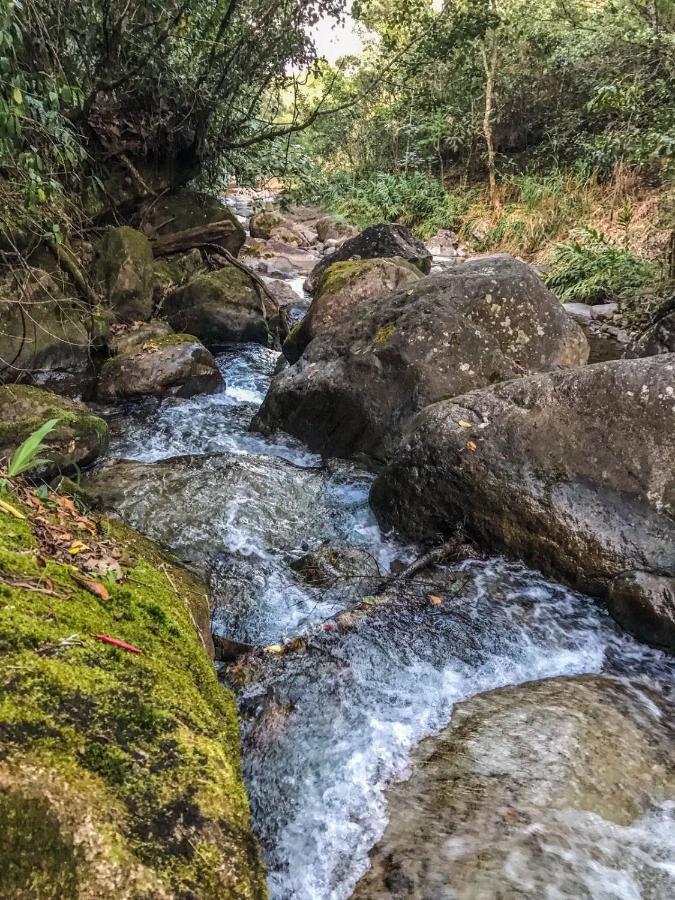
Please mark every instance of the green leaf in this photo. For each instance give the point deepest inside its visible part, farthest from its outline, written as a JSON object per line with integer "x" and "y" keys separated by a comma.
{"x": 17, "y": 96}
{"x": 26, "y": 455}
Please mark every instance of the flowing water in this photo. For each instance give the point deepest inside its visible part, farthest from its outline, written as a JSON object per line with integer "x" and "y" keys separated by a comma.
{"x": 325, "y": 731}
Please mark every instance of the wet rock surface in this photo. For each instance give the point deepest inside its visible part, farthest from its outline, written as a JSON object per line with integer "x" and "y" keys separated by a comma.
{"x": 175, "y": 365}
{"x": 355, "y": 388}
{"x": 659, "y": 336}
{"x": 124, "y": 273}
{"x": 530, "y": 788}
{"x": 573, "y": 471}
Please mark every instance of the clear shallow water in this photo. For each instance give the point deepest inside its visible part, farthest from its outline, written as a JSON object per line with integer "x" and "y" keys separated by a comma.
{"x": 324, "y": 732}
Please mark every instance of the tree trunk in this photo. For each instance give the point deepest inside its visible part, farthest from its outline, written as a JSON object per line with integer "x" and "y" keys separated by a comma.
{"x": 200, "y": 236}
{"x": 489, "y": 54}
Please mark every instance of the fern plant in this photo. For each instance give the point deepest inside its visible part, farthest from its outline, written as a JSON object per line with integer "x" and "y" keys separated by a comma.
{"x": 589, "y": 269}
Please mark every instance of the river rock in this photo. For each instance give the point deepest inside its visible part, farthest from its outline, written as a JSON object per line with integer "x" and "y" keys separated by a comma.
{"x": 123, "y": 269}
{"x": 659, "y": 336}
{"x": 377, "y": 241}
{"x": 531, "y": 791}
{"x": 219, "y": 307}
{"x": 124, "y": 338}
{"x": 355, "y": 388}
{"x": 352, "y": 570}
{"x": 45, "y": 336}
{"x": 271, "y": 225}
{"x": 172, "y": 273}
{"x": 188, "y": 209}
{"x": 571, "y": 470}
{"x": 330, "y": 229}
{"x": 174, "y": 365}
{"x": 77, "y": 440}
{"x": 342, "y": 286}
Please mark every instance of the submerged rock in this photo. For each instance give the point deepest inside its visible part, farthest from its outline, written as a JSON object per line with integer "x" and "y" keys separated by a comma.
{"x": 174, "y": 365}
{"x": 353, "y": 570}
{"x": 45, "y": 336}
{"x": 571, "y": 470}
{"x": 382, "y": 240}
{"x": 124, "y": 272}
{"x": 357, "y": 386}
{"x": 530, "y": 791}
{"x": 120, "y": 773}
{"x": 342, "y": 286}
{"x": 77, "y": 440}
{"x": 219, "y": 307}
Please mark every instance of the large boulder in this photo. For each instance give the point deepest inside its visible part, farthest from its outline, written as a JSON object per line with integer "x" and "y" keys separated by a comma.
{"x": 342, "y": 286}
{"x": 330, "y": 229}
{"x": 78, "y": 439}
{"x": 123, "y": 269}
{"x": 189, "y": 209}
{"x": 575, "y": 471}
{"x": 219, "y": 307}
{"x": 355, "y": 388}
{"x": 659, "y": 336}
{"x": 377, "y": 241}
{"x": 531, "y": 791}
{"x": 45, "y": 336}
{"x": 175, "y": 365}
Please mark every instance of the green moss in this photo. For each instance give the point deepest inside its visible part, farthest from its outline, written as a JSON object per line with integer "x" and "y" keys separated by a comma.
{"x": 340, "y": 274}
{"x": 153, "y": 736}
{"x": 384, "y": 334}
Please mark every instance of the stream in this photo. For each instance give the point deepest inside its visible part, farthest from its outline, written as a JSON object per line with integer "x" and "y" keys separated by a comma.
{"x": 324, "y": 732}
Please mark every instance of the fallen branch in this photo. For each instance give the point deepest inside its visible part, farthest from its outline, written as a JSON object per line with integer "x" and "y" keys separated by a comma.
{"x": 66, "y": 261}
{"x": 438, "y": 554}
{"x": 202, "y": 236}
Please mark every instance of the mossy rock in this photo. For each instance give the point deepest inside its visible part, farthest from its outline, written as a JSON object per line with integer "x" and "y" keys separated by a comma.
{"x": 188, "y": 209}
{"x": 175, "y": 365}
{"x": 120, "y": 774}
{"x": 124, "y": 272}
{"x": 46, "y": 335}
{"x": 219, "y": 307}
{"x": 77, "y": 440}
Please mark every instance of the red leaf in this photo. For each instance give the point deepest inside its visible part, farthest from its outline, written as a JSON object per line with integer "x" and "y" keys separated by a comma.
{"x": 121, "y": 644}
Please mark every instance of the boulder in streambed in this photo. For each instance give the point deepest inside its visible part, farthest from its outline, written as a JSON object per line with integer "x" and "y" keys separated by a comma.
{"x": 342, "y": 286}
{"x": 270, "y": 224}
{"x": 46, "y": 337}
{"x": 221, "y": 306}
{"x": 124, "y": 273}
{"x": 357, "y": 386}
{"x": 329, "y": 228}
{"x": 376, "y": 241}
{"x": 77, "y": 440}
{"x": 186, "y": 209}
{"x": 121, "y": 771}
{"x": 575, "y": 471}
{"x": 174, "y": 365}
{"x": 536, "y": 790}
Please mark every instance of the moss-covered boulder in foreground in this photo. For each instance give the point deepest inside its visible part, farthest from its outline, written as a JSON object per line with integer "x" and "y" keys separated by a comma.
{"x": 77, "y": 440}
{"x": 124, "y": 273}
{"x": 174, "y": 365}
{"x": 120, "y": 771}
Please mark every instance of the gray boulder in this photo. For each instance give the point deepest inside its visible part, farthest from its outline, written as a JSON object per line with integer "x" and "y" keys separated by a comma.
{"x": 124, "y": 273}
{"x": 659, "y": 336}
{"x": 575, "y": 471}
{"x": 46, "y": 337}
{"x": 530, "y": 791}
{"x": 331, "y": 229}
{"x": 220, "y": 307}
{"x": 174, "y": 365}
{"x": 358, "y": 385}
{"x": 342, "y": 286}
{"x": 377, "y": 241}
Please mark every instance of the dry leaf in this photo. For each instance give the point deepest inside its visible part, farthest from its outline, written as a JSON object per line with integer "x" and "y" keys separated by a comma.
{"x": 471, "y": 445}
{"x": 464, "y": 424}
{"x": 433, "y": 598}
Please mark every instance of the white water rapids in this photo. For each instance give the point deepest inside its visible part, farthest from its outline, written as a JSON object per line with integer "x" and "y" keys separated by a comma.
{"x": 326, "y": 731}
